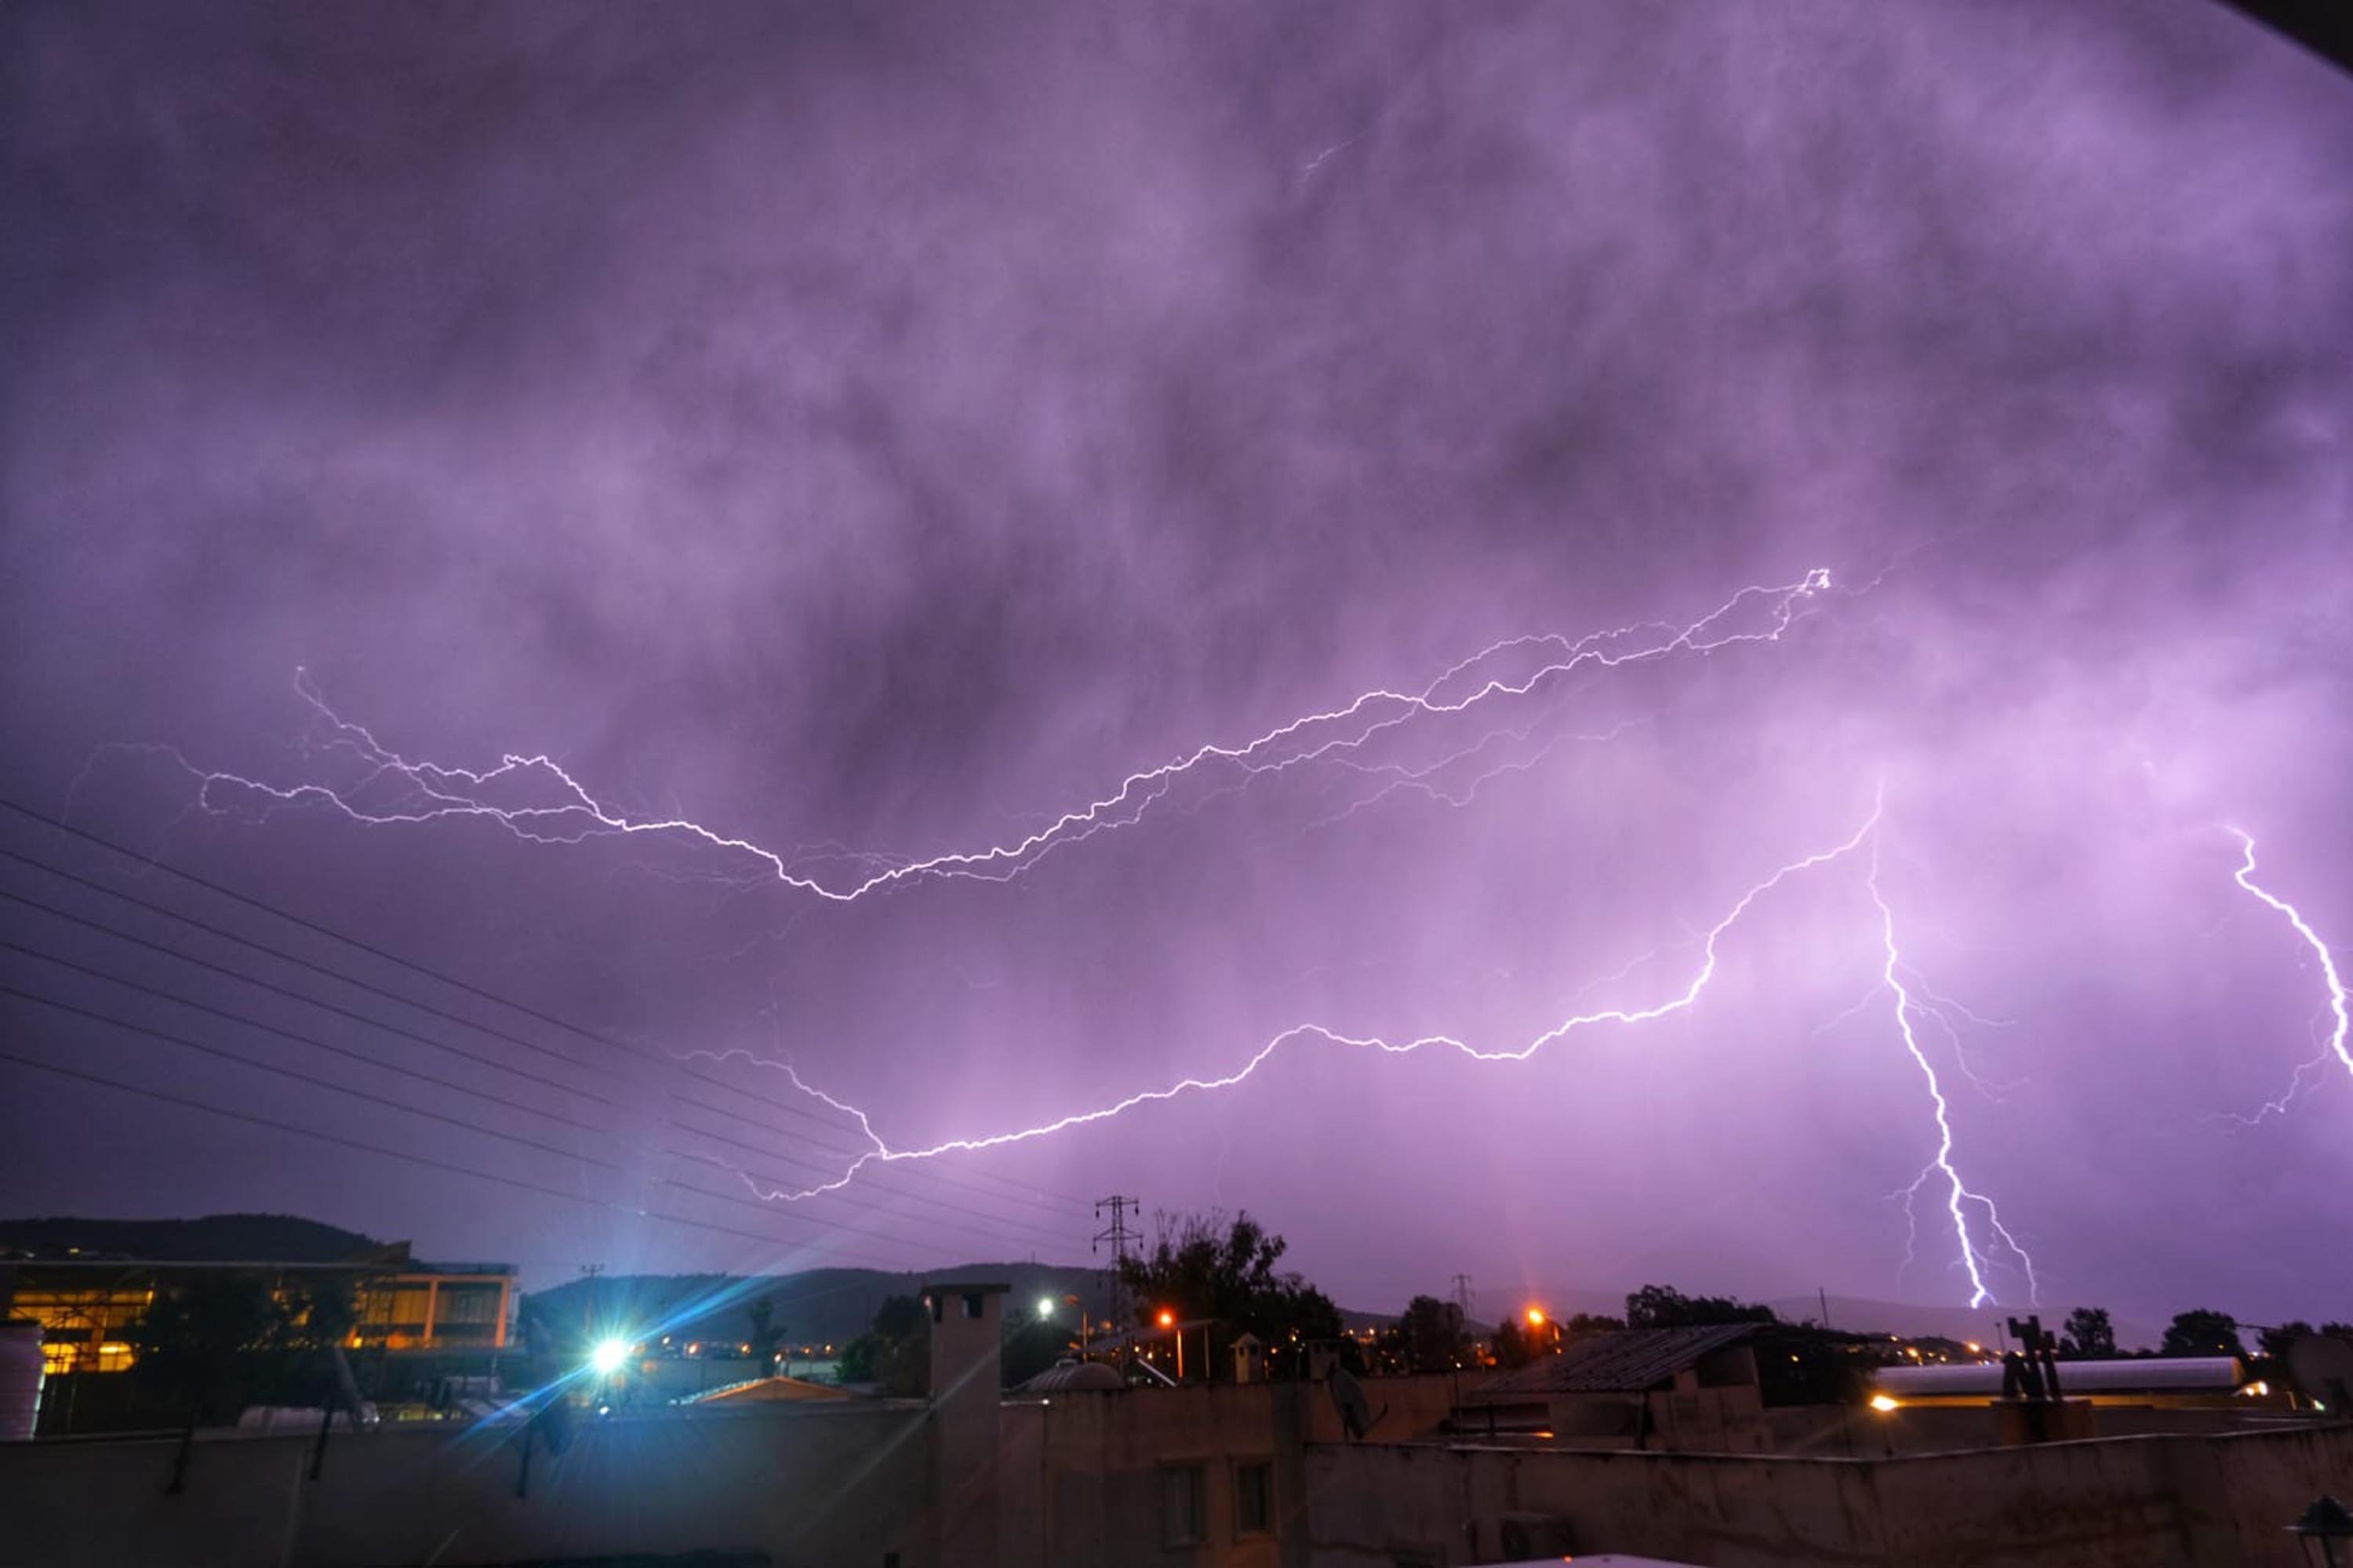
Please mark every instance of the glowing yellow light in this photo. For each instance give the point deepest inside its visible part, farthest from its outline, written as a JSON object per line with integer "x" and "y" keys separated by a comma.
{"x": 1168, "y": 1318}
{"x": 1881, "y": 1403}
{"x": 1535, "y": 1318}
{"x": 1976, "y": 1349}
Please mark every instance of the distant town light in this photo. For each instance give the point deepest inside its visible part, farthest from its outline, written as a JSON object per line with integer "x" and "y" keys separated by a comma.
{"x": 608, "y": 1357}
{"x": 1881, "y": 1403}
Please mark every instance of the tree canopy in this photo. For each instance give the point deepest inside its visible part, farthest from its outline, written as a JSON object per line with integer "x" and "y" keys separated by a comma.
{"x": 2089, "y": 1335}
{"x": 222, "y": 1340}
{"x": 1429, "y": 1336}
{"x": 895, "y": 1351}
{"x": 1210, "y": 1266}
{"x": 1664, "y": 1307}
{"x": 2202, "y": 1332}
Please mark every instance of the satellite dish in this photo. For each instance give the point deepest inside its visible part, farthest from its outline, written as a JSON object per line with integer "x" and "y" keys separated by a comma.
{"x": 1348, "y": 1395}
{"x": 2321, "y": 1367}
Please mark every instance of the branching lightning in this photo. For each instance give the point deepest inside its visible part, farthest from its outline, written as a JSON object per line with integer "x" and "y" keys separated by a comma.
{"x": 1898, "y": 982}
{"x": 394, "y": 788}
{"x": 536, "y": 799}
{"x": 2336, "y": 1045}
{"x": 1895, "y": 980}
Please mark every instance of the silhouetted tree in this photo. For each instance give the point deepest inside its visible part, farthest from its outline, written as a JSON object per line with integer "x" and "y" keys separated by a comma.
{"x": 2275, "y": 1343}
{"x": 1664, "y": 1307}
{"x": 1208, "y": 1265}
{"x": 1429, "y": 1336}
{"x": 2202, "y": 1332}
{"x": 1512, "y": 1347}
{"x": 767, "y": 1334}
{"x": 2089, "y": 1335}
{"x": 1593, "y": 1324}
{"x": 200, "y": 1345}
{"x": 895, "y": 1351}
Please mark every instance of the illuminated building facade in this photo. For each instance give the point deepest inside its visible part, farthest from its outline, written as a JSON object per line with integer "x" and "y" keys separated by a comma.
{"x": 88, "y": 1307}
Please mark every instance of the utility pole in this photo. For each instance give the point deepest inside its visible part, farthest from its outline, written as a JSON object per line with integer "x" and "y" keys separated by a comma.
{"x": 1120, "y": 1237}
{"x": 589, "y": 1301}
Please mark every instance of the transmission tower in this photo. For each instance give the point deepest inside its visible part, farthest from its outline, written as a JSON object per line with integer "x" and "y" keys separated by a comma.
{"x": 1120, "y": 1238}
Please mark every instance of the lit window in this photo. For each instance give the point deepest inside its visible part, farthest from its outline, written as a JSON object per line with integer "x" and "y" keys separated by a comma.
{"x": 1183, "y": 1514}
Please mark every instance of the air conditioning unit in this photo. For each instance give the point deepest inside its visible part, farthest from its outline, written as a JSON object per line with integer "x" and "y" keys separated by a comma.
{"x": 1525, "y": 1535}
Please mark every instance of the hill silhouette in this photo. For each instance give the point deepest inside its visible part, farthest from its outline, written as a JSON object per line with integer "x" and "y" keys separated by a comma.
{"x": 214, "y": 1238}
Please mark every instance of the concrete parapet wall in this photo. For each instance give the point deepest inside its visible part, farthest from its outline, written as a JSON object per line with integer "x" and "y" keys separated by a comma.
{"x": 2170, "y": 1501}
{"x": 843, "y": 1484}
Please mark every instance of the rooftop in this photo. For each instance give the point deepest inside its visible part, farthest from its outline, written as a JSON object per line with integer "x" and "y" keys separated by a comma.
{"x": 1627, "y": 1360}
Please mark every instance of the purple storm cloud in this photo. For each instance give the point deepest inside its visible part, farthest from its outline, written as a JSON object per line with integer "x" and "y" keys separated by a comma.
{"x": 1587, "y": 644}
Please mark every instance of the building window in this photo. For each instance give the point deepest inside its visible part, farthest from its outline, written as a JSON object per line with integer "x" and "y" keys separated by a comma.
{"x": 1253, "y": 1497}
{"x": 1184, "y": 1512}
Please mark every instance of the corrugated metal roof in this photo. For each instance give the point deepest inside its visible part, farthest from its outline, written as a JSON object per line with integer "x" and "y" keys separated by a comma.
{"x": 2162, "y": 1374}
{"x": 1627, "y": 1360}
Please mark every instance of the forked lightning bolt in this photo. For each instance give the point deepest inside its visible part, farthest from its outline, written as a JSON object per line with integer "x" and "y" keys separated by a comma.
{"x": 407, "y": 790}
{"x": 2337, "y": 1044}
{"x": 1939, "y": 1169}
{"x": 1961, "y": 1196}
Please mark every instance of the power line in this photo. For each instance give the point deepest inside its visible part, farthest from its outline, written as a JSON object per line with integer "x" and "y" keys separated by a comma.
{"x": 317, "y": 927}
{"x": 319, "y": 969}
{"x": 746, "y": 1199}
{"x": 1000, "y": 1220}
{"x": 284, "y": 1072}
{"x": 1024, "y": 1197}
{"x": 295, "y": 958}
{"x": 169, "y": 952}
{"x": 241, "y": 1019}
{"x": 312, "y": 926}
{"x": 299, "y": 1039}
{"x": 257, "y": 1120}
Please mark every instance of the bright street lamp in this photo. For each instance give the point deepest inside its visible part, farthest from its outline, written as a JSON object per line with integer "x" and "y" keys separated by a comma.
{"x": 608, "y": 1357}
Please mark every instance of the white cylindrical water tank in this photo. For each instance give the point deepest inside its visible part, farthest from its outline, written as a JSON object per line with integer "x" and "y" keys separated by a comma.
{"x": 20, "y": 1380}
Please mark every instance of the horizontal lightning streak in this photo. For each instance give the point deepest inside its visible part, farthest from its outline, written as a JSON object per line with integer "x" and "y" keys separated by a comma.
{"x": 883, "y": 1153}
{"x": 438, "y": 791}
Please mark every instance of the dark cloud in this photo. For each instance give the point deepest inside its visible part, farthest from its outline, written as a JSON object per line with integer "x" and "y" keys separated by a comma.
{"x": 888, "y": 427}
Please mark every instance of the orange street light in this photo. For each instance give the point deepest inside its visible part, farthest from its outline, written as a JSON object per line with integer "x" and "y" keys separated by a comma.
{"x": 1168, "y": 1318}
{"x": 1535, "y": 1318}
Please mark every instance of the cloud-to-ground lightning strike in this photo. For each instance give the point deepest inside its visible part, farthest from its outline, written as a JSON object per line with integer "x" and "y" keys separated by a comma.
{"x": 1974, "y": 1257}
{"x": 2337, "y": 1043}
{"x": 428, "y": 791}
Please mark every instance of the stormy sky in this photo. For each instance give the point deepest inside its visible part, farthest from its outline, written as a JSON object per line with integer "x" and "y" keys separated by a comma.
{"x": 871, "y": 432}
